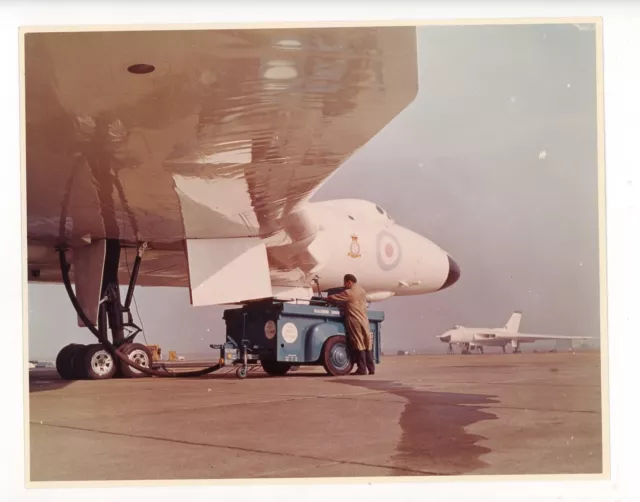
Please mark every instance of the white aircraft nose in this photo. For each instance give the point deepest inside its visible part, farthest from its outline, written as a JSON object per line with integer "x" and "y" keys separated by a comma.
{"x": 453, "y": 275}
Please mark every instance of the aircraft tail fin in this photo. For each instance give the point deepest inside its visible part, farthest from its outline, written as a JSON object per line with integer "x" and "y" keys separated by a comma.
{"x": 513, "y": 324}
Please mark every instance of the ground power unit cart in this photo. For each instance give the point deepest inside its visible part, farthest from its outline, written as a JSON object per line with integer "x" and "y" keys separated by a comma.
{"x": 280, "y": 335}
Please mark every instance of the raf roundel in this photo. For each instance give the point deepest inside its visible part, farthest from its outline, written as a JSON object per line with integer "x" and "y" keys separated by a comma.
{"x": 388, "y": 252}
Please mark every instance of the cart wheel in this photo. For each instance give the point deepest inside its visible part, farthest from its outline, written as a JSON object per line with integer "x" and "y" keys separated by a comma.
{"x": 275, "y": 368}
{"x": 241, "y": 373}
{"x": 335, "y": 356}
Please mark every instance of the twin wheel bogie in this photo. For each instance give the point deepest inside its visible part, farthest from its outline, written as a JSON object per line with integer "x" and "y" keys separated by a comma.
{"x": 94, "y": 362}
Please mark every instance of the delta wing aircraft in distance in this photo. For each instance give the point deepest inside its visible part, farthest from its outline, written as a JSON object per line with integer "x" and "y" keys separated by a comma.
{"x": 188, "y": 158}
{"x": 470, "y": 339}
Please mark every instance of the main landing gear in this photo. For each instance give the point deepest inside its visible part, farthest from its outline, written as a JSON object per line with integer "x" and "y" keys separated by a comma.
{"x": 99, "y": 361}
{"x": 467, "y": 348}
{"x": 516, "y": 349}
{"x": 122, "y": 356}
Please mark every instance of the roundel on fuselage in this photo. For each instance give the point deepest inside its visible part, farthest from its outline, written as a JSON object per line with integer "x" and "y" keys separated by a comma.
{"x": 389, "y": 251}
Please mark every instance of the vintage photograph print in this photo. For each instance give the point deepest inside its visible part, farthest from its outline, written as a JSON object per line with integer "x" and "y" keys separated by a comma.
{"x": 294, "y": 252}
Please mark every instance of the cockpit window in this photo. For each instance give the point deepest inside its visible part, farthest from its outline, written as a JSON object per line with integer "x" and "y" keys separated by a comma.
{"x": 351, "y": 217}
{"x": 380, "y": 210}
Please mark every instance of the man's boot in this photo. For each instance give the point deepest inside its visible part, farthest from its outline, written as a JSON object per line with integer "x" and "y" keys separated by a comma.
{"x": 371, "y": 365}
{"x": 362, "y": 363}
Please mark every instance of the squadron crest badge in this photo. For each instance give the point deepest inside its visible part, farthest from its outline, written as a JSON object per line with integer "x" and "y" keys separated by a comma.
{"x": 354, "y": 249}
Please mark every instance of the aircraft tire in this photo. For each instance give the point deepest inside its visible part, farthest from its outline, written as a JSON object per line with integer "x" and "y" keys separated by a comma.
{"x": 140, "y": 355}
{"x": 335, "y": 356}
{"x": 99, "y": 363}
{"x": 77, "y": 362}
{"x": 275, "y": 368}
{"x": 64, "y": 361}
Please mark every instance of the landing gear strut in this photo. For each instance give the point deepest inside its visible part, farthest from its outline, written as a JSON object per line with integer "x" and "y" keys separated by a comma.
{"x": 99, "y": 361}
{"x": 121, "y": 356}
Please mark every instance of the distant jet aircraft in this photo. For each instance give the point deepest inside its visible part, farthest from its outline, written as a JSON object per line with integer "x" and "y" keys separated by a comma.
{"x": 470, "y": 339}
{"x": 189, "y": 158}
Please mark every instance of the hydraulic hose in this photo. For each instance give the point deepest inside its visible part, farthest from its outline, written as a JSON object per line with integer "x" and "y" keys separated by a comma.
{"x": 64, "y": 268}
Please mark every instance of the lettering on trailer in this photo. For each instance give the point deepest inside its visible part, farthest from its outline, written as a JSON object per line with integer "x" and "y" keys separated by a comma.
{"x": 326, "y": 312}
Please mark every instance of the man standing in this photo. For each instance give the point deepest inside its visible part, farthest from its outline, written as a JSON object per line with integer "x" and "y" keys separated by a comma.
{"x": 356, "y": 323}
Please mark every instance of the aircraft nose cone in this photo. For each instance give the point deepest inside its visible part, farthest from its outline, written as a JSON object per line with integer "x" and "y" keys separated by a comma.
{"x": 454, "y": 274}
{"x": 445, "y": 338}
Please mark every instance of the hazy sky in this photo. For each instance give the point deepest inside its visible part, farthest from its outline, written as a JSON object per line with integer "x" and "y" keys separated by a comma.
{"x": 495, "y": 161}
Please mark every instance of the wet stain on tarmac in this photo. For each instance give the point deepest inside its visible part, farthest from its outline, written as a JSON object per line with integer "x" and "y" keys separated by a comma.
{"x": 433, "y": 428}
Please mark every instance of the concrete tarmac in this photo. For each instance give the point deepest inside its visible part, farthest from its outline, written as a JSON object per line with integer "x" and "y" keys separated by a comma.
{"x": 511, "y": 414}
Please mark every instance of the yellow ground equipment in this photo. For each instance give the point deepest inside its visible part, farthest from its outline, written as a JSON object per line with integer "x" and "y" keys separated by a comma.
{"x": 156, "y": 352}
